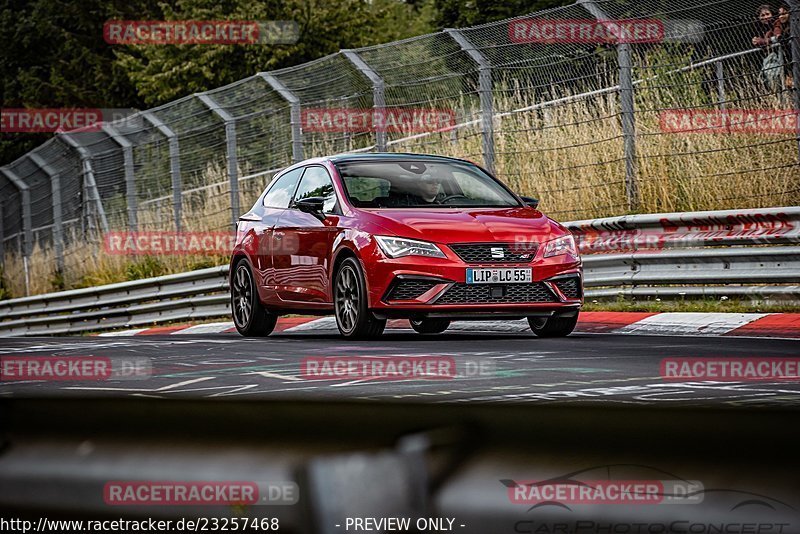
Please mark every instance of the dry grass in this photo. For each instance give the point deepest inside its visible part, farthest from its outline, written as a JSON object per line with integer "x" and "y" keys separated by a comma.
{"x": 570, "y": 156}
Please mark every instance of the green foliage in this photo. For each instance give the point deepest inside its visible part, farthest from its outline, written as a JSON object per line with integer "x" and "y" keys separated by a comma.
{"x": 461, "y": 13}
{"x": 57, "y": 281}
{"x": 4, "y": 291}
{"x": 666, "y": 86}
{"x": 147, "y": 267}
{"x": 163, "y": 73}
{"x": 205, "y": 263}
{"x": 54, "y": 53}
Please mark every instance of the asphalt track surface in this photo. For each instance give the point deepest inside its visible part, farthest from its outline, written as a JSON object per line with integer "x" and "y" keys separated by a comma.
{"x": 489, "y": 367}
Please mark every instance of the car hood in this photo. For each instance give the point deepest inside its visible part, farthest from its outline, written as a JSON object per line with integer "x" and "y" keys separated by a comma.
{"x": 444, "y": 225}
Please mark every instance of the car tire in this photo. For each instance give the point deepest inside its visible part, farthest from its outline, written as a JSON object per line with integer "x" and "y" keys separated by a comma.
{"x": 249, "y": 315}
{"x": 556, "y": 326}
{"x": 350, "y": 303}
{"x": 429, "y": 326}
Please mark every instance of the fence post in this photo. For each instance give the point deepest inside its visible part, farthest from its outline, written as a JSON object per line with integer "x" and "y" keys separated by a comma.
{"x": 27, "y": 229}
{"x": 378, "y": 95}
{"x": 721, "y": 97}
{"x": 58, "y": 221}
{"x": 174, "y": 164}
{"x": 130, "y": 174}
{"x": 794, "y": 23}
{"x": 627, "y": 109}
{"x": 2, "y": 236}
{"x": 233, "y": 161}
{"x": 88, "y": 177}
{"x": 485, "y": 93}
{"x": 294, "y": 113}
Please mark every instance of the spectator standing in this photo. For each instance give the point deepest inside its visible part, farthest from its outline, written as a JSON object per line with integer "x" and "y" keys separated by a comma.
{"x": 786, "y": 44}
{"x": 773, "y": 64}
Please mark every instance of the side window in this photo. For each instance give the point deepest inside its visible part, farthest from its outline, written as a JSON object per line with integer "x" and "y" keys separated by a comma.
{"x": 280, "y": 193}
{"x": 317, "y": 183}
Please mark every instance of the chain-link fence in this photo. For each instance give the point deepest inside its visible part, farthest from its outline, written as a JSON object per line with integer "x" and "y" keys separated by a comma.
{"x": 599, "y": 108}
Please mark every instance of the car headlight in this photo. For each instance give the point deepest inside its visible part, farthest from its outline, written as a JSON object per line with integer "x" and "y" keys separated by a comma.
{"x": 562, "y": 245}
{"x": 397, "y": 247}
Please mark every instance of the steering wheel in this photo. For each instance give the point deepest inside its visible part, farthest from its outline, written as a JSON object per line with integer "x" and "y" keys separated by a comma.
{"x": 450, "y": 197}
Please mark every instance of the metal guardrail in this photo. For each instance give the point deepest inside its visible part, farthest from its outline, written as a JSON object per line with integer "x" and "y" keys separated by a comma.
{"x": 179, "y": 297}
{"x": 656, "y": 255}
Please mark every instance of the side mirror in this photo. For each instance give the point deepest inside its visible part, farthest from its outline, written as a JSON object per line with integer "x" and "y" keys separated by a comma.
{"x": 311, "y": 205}
{"x": 532, "y": 202}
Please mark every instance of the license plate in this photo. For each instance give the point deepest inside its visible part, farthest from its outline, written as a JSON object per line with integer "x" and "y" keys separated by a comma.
{"x": 500, "y": 276}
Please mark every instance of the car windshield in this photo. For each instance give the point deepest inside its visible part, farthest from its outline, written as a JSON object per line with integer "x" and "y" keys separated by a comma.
{"x": 421, "y": 184}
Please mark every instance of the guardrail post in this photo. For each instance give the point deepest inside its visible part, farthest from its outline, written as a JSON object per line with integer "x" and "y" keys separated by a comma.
{"x": 485, "y": 93}
{"x": 627, "y": 109}
{"x": 378, "y": 95}
{"x": 58, "y": 221}
{"x": 174, "y": 164}
{"x": 130, "y": 174}
{"x": 88, "y": 177}
{"x": 27, "y": 228}
{"x": 295, "y": 119}
{"x": 233, "y": 162}
{"x": 794, "y": 22}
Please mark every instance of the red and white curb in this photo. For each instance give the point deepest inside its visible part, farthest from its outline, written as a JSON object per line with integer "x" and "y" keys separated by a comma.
{"x": 783, "y": 325}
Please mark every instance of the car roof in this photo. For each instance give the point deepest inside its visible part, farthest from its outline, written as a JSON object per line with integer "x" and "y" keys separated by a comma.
{"x": 373, "y": 156}
{"x": 389, "y": 156}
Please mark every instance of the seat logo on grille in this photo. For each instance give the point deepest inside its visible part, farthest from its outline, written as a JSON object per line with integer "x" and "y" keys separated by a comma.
{"x": 497, "y": 253}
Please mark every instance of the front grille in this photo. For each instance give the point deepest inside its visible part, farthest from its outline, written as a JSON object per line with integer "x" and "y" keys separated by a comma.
{"x": 496, "y": 252}
{"x": 409, "y": 289}
{"x": 571, "y": 287}
{"x": 481, "y": 294}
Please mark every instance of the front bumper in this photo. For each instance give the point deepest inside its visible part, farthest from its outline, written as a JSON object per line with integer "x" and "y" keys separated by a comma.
{"x": 436, "y": 287}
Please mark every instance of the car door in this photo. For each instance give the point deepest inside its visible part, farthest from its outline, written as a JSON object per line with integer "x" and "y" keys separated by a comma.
{"x": 302, "y": 243}
{"x": 275, "y": 202}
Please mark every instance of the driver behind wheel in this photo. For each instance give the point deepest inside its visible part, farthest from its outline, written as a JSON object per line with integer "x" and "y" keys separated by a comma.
{"x": 427, "y": 189}
{"x": 430, "y": 186}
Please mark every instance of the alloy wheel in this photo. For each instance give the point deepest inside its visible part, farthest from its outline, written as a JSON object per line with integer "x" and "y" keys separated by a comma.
{"x": 347, "y": 298}
{"x": 242, "y": 295}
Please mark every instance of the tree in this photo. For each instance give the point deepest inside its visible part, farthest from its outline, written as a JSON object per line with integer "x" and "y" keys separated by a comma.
{"x": 54, "y": 56}
{"x": 462, "y": 13}
{"x": 163, "y": 73}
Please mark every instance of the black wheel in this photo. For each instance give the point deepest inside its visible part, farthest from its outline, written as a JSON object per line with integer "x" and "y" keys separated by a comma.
{"x": 429, "y": 326}
{"x": 350, "y": 303}
{"x": 249, "y": 315}
{"x": 553, "y": 326}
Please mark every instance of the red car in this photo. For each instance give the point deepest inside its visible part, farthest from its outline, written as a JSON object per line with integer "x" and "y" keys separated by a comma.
{"x": 369, "y": 237}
